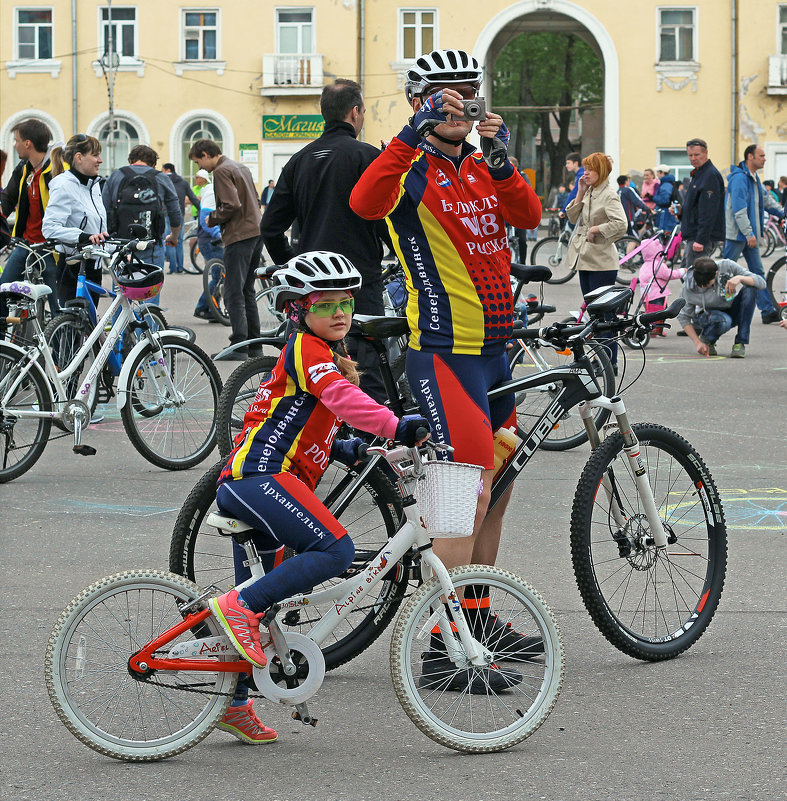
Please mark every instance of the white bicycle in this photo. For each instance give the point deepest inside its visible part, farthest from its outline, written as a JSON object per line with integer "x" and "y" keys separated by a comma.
{"x": 167, "y": 389}
{"x": 138, "y": 668}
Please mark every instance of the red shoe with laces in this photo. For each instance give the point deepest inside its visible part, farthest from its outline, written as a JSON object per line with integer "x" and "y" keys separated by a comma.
{"x": 242, "y": 722}
{"x": 242, "y": 626}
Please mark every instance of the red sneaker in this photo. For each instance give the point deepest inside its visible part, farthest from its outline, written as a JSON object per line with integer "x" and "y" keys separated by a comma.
{"x": 242, "y": 722}
{"x": 241, "y": 624}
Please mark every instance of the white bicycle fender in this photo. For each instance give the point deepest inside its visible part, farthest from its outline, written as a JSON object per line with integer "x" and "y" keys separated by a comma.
{"x": 125, "y": 370}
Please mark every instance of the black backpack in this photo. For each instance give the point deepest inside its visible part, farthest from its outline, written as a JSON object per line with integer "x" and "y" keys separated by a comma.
{"x": 137, "y": 203}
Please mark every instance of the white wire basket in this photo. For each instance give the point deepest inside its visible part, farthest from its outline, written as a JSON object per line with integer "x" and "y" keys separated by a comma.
{"x": 448, "y": 496}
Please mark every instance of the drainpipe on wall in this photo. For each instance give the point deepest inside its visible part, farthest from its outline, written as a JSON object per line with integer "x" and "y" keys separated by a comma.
{"x": 74, "y": 112}
{"x": 362, "y": 48}
{"x": 734, "y": 131}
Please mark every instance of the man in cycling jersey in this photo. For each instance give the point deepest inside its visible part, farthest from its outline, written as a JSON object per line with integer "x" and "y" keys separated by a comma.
{"x": 446, "y": 206}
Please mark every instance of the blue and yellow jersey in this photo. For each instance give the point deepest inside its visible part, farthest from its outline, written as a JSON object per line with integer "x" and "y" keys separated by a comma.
{"x": 448, "y": 226}
{"x": 287, "y": 429}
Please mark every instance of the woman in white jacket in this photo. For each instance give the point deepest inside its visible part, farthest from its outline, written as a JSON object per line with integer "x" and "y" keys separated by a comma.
{"x": 75, "y": 214}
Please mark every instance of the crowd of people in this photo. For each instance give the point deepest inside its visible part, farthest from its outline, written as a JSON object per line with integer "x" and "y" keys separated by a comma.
{"x": 443, "y": 207}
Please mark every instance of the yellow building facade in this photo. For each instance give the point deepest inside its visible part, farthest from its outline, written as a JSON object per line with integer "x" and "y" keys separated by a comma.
{"x": 249, "y": 74}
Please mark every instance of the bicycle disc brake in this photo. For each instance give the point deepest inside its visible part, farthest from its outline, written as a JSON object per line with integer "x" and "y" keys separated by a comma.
{"x": 306, "y": 655}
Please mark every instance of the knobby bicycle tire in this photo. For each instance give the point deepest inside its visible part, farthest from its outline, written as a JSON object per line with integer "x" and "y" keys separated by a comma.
{"x": 650, "y": 604}
{"x": 27, "y": 436}
{"x": 173, "y": 433}
{"x": 237, "y": 394}
{"x": 489, "y": 720}
{"x": 87, "y": 674}
{"x": 200, "y": 553}
{"x": 570, "y": 431}
{"x": 551, "y": 252}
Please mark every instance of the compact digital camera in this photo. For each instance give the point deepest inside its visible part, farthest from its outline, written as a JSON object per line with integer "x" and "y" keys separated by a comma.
{"x": 475, "y": 109}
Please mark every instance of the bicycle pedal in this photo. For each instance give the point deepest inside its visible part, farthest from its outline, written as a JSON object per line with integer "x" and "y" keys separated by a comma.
{"x": 307, "y": 720}
{"x": 85, "y": 450}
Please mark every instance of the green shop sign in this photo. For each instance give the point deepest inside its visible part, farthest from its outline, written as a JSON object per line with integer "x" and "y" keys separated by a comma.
{"x": 292, "y": 126}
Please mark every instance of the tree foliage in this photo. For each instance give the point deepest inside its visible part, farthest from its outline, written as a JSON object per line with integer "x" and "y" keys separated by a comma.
{"x": 558, "y": 70}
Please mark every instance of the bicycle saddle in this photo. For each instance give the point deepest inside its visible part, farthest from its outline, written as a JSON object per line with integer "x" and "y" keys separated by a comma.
{"x": 530, "y": 272}
{"x": 25, "y": 289}
{"x": 379, "y": 327}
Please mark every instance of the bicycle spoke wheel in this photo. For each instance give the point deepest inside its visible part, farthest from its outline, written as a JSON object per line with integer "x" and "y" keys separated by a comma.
{"x": 530, "y": 405}
{"x": 199, "y": 552}
{"x": 270, "y": 319}
{"x": 213, "y": 287}
{"x": 88, "y": 679}
{"x": 22, "y": 439}
{"x": 237, "y": 395}
{"x": 551, "y": 252}
{"x": 172, "y": 431}
{"x": 195, "y": 263}
{"x": 629, "y": 269}
{"x": 486, "y": 719}
{"x": 777, "y": 283}
{"x": 66, "y": 334}
{"x": 650, "y": 604}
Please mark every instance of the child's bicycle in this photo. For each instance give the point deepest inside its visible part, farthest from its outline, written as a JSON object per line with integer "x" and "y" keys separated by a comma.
{"x": 167, "y": 389}
{"x": 648, "y": 538}
{"x": 138, "y": 668}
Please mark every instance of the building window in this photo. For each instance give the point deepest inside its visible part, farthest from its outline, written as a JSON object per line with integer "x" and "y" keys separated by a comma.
{"x": 124, "y": 32}
{"x": 125, "y": 138}
{"x": 202, "y": 128}
{"x": 677, "y": 160}
{"x": 295, "y": 31}
{"x": 200, "y": 35}
{"x": 677, "y": 34}
{"x": 783, "y": 29}
{"x": 417, "y": 32}
{"x": 33, "y": 33}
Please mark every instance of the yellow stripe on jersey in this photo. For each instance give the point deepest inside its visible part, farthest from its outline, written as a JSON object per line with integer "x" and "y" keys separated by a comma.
{"x": 411, "y": 309}
{"x": 467, "y": 313}
{"x": 243, "y": 451}
{"x": 287, "y": 461}
{"x": 298, "y": 359}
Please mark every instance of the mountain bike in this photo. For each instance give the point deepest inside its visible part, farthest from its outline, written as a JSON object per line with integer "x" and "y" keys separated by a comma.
{"x": 167, "y": 388}
{"x": 647, "y": 532}
{"x": 138, "y": 668}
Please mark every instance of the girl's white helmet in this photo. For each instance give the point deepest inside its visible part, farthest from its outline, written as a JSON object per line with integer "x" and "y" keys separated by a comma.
{"x": 315, "y": 271}
{"x": 444, "y": 67}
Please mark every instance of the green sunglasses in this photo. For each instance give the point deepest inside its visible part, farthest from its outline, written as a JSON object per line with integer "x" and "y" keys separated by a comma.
{"x": 328, "y": 308}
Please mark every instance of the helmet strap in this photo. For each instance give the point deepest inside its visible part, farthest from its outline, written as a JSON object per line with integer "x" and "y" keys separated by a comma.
{"x": 456, "y": 142}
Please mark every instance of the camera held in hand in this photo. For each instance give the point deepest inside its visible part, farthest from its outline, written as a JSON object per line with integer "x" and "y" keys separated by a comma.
{"x": 475, "y": 109}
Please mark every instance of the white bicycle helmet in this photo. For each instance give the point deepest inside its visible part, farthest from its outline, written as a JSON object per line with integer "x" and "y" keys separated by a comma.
{"x": 444, "y": 67}
{"x": 315, "y": 271}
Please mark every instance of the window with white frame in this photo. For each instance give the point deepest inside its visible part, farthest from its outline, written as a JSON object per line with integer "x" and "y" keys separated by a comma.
{"x": 33, "y": 33}
{"x": 201, "y": 128}
{"x": 123, "y": 31}
{"x": 201, "y": 34}
{"x": 417, "y": 32}
{"x": 124, "y": 137}
{"x": 677, "y": 34}
{"x": 783, "y": 29}
{"x": 677, "y": 160}
{"x": 295, "y": 31}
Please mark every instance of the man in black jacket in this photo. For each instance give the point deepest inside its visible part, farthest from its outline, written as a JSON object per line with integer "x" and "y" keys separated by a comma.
{"x": 702, "y": 218}
{"x": 313, "y": 191}
{"x": 183, "y": 191}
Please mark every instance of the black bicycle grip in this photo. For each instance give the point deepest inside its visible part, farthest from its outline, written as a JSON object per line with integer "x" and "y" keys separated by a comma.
{"x": 421, "y": 433}
{"x": 363, "y": 450}
{"x": 663, "y": 314}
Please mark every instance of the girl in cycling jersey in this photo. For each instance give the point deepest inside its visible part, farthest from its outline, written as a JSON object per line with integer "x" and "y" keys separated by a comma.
{"x": 285, "y": 446}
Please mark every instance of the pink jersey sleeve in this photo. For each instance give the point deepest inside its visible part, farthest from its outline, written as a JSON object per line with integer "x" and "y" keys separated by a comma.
{"x": 352, "y": 404}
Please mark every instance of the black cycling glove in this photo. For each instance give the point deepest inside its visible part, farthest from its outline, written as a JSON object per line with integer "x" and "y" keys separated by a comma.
{"x": 407, "y": 430}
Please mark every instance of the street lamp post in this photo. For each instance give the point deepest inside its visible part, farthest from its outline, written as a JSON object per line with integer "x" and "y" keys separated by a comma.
{"x": 109, "y": 64}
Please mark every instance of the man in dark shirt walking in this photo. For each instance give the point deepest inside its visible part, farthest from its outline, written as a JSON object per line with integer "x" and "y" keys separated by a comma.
{"x": 702, "y": 217}
{"x": 313, "y": 191}
{"x": 183, "y": 191}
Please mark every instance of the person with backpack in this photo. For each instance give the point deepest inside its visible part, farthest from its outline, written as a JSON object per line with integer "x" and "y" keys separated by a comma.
{"x": 141, "y": 195}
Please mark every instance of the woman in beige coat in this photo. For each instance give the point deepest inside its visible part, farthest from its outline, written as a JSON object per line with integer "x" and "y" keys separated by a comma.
{"x": 600, "y": 222}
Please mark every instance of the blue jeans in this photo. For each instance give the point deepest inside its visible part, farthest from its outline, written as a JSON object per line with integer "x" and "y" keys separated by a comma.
{"x": 716, "y": 322}
{"x": 14, "y": 270}
{"x": 733, "y": 250}
{"x": 174, "y": 254}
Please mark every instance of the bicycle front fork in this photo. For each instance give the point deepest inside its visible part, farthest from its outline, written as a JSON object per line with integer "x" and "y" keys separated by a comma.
{"x": 631, "y": 448}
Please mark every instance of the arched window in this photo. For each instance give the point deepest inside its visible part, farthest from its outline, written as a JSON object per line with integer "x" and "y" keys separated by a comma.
{"x": 124, "y": 138}
{"x": 201, "y": 128}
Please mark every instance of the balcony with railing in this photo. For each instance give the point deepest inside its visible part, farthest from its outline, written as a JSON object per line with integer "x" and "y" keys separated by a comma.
{"x": 291, "y": 74}
{"x": 777, "y": 75}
